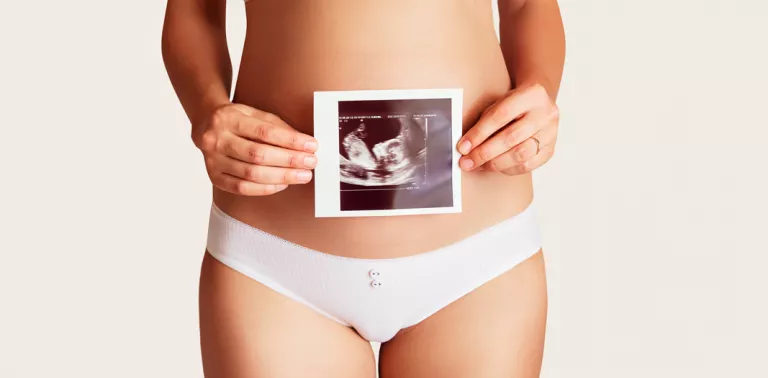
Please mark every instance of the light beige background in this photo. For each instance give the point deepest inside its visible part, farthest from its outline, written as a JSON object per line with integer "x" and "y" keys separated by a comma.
{"x": 653, "y": 210}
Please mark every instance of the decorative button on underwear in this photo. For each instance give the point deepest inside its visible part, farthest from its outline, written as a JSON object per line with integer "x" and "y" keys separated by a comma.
{"x": 374, "y": 274}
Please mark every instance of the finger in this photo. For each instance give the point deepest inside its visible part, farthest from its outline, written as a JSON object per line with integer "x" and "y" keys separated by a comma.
{"x": 500, "y": 143}
{"x": 276, "y": 135}
{"x": 529, "y": 148}
{"x": 270, "y": 129}
{"x": 510, "y": 108}
{"x": 243, "y": 187}
{"x": 547, "y": 135}
{"x": 518, "y": 154}
{"x": 265, "y": 154}
{"x": 529, "y": 165}
{"x": 262, "y": 174}
{"x": 524, "y": 151}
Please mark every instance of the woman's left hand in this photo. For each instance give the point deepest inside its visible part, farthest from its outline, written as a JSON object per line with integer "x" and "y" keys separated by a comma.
{"x": 513, "y": 136}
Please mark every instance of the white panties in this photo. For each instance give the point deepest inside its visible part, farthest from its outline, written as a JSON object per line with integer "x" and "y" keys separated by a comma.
{"x": 377, "y": 297}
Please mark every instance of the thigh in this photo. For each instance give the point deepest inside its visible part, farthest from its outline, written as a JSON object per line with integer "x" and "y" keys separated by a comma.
{"x": 248, "y": 330}
{"x": 497, "y": 330}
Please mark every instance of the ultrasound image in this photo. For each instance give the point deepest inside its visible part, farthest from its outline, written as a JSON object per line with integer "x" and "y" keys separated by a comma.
{"x": 385, "y": 149}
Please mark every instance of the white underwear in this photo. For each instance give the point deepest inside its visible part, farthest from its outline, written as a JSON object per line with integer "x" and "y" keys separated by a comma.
{"x": 377, "y": 297}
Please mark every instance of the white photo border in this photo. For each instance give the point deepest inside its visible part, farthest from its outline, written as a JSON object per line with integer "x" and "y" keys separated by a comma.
{"x": 327, "y": 177}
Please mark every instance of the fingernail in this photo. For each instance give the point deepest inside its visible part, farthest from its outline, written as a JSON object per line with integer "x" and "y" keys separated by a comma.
{"x": 280, "y": 187}
{"x": 310, "y": 145}
{"x": 304, "y": 176}
{"x": 464, "y": 147}
{"x": 310, "y": 161}
{"x": 467, "y": 164}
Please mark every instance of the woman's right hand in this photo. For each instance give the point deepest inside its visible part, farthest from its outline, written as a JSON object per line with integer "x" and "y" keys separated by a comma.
{"x": 253, "y": 153}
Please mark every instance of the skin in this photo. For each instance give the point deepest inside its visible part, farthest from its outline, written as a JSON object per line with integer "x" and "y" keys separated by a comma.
{"x": 269, "y": 335}
{"x": 258, "y": 150}
{"x": 484, "y": 334}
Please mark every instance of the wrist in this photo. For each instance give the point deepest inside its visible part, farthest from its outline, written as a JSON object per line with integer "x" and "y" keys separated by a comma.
{"x": 214, "y": 99}
{"x": 527, "y": 80}
{"x": 208, "y": 103}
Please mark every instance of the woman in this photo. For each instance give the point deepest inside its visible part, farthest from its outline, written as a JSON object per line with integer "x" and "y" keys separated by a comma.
{"x": 282, "y": 293}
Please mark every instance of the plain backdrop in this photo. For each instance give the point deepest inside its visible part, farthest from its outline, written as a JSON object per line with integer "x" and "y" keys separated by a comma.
{"x": 653, "y": 210}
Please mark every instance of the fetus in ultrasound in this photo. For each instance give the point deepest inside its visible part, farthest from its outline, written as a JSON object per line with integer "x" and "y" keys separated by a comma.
{"x": 385, "y": 151}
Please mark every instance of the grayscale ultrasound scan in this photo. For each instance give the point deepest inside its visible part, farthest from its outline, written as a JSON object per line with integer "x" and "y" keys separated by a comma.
{"x": 390, "y": 150}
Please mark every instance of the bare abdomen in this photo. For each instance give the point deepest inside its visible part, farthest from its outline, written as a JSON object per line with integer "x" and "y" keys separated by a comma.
{"x": 292, "y": 51}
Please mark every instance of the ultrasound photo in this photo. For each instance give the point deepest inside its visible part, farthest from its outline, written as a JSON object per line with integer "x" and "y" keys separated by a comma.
{"x": 395, "y": 154}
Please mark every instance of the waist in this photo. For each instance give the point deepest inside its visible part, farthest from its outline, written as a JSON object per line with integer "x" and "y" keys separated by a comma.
{"x": 288, "y": 55}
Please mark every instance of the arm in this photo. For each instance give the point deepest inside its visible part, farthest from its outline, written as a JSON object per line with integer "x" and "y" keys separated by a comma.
{"x": 196, "y": 56}
{"x": 247, "y": 151}
{"x": 517, "y": 134}
{"x": 533, "y": 42}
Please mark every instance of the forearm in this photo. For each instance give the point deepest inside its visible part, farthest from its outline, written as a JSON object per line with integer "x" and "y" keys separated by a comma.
{"x": 533, "y": 42}
{"x": 195, "y": 53}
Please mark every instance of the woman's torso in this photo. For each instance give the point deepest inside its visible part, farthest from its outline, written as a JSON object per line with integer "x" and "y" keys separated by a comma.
{"x": 295, "y": 48}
